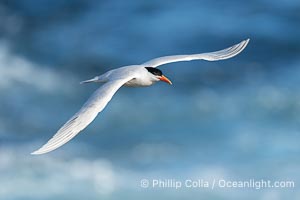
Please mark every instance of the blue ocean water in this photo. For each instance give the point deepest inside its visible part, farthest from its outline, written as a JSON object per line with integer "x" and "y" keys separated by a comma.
{"x": 234, "y": 120}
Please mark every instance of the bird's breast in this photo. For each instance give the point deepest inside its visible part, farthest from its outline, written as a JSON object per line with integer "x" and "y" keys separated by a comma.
{"x": 137, "y": 82}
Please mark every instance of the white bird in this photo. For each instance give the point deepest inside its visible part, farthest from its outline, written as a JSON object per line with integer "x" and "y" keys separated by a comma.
{"x": 142, "y": 75}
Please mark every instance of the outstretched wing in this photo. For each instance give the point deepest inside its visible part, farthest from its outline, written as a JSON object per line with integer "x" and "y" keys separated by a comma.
{"x": 211, "y": 56}
{"x": 84, "y": 116}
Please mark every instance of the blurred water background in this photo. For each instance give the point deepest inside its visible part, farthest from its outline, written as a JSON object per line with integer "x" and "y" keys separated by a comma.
{"x": 236, "y": 119}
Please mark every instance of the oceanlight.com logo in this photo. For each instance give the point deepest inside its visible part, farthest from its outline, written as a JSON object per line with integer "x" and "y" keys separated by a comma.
{"x": 220, "y": 183}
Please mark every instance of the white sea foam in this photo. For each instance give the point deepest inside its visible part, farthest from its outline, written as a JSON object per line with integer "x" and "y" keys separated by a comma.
{"x": 64, "y": 175}
{"x": 15, "y": 70}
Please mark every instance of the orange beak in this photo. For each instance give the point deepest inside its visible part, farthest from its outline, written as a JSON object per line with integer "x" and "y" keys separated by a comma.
{"x": 165, "y": 79}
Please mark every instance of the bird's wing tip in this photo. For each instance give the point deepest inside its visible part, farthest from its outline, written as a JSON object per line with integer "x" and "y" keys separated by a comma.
{"x": 40, "y": 151}
{"x": 37, "y": 152}
{"x": 34, "y": 153}
{"x": 243, "y": 44}
{"x": 247, "y": 40}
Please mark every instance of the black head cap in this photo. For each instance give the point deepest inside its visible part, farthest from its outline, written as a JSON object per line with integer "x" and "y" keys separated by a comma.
{"x": 154, "y": 71}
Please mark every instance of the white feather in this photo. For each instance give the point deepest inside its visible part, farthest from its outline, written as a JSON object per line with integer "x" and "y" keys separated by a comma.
{"x": 211, "y": 56}
{"x": 84, "y": 116}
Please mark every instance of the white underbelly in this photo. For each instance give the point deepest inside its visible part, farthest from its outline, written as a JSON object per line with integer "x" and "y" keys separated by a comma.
{"x": 138, "y": 83}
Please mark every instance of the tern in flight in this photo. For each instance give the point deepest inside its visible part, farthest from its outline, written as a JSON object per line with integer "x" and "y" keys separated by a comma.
{"x": 142, "y": 75}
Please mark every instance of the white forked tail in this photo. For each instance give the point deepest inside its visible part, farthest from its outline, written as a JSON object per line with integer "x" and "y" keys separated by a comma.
{"x": 96, "y": 79}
